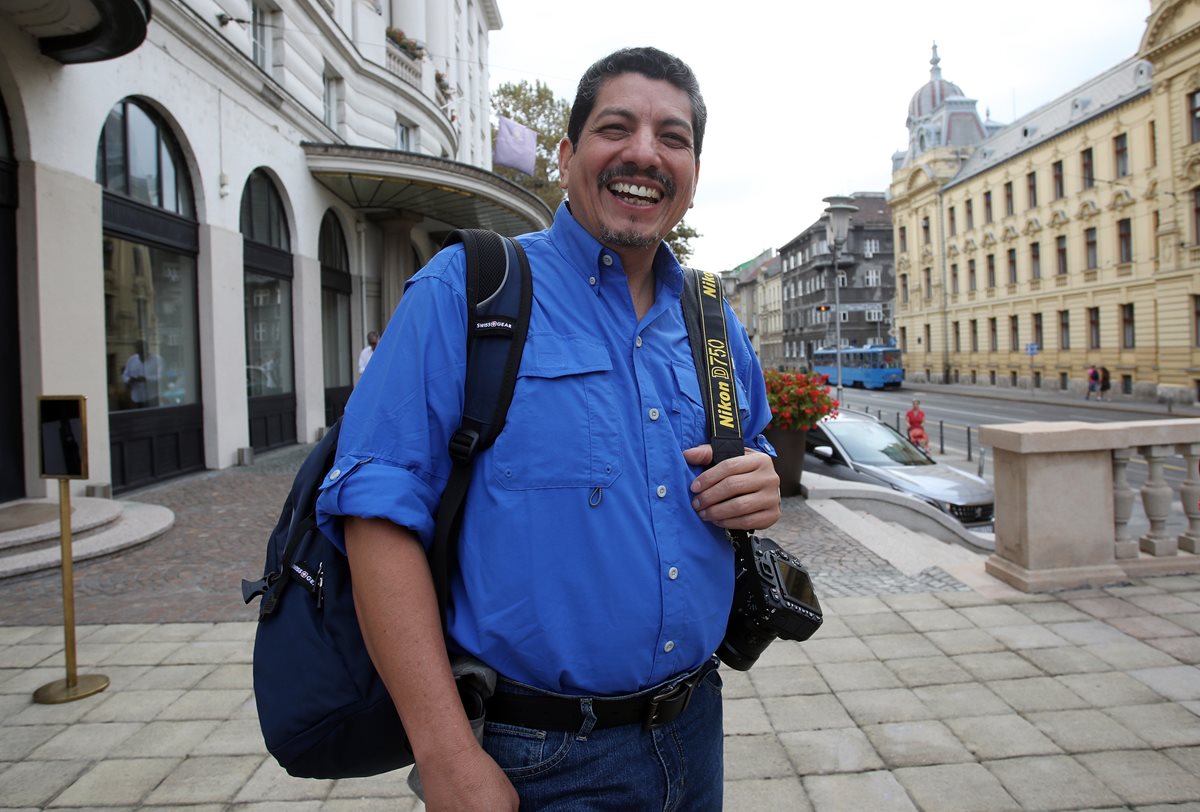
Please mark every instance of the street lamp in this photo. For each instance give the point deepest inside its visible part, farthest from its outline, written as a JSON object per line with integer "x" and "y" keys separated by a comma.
{"x": 837, "y": 223}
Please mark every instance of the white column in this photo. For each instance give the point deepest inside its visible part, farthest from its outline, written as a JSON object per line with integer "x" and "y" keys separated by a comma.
{"x": 309, "y": 360}
{"x": 221, "y": 302}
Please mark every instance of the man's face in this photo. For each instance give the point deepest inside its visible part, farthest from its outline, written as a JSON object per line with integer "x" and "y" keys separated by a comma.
{"x": 633, "y": 174}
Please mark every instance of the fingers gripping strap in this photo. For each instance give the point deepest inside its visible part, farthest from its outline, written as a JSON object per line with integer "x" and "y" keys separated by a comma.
{"x": 704, "y": 315}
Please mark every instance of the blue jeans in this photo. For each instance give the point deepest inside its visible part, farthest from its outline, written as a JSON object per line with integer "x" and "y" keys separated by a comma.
{"x": 679, "y": 766}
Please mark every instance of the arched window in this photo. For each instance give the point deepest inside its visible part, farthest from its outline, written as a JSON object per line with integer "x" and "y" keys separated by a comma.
{"x": 335, "y": 316}
{"x": 150, "y": 302}
{"x": 270, "y": 378}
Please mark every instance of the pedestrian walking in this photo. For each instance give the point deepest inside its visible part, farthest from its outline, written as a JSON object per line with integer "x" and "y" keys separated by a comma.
{"x": 1093, "y": 383}
{"x": 1105, "y": 383}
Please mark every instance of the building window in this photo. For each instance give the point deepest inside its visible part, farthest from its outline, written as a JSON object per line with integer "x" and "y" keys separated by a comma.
{"x": 1009, "y": 203}
{"x": 903, "y": 339}
{"x": 874, "y": 315}
{"x": 1059, "y": 185}
{"x": 970, "y": 206}
{"x": 1035, "y": 260}
{"x": 993, "y": 335}
{"x": 1064, "y": 381}
{"x": 904, "y": 288}
{"x": 1014, "y": 334}
{"x": 1153, "y": 136}
{"x": 1060, "y": 250}
{"x": 1089, "y": 242}
{"x": 991, "y": 270}
{"x": 261, "y": 35}
{"x": 1087, "y": 168}
{"x": 1196, "y": 321}
{"x": 954, "y": 279}
{"x": 1031, "y": 189}
{"x": 1121, "y": 154}
{"x": 1064, "y": 329}
{"x": 1093, "y": 328}
{"x": 972, "y": 282}
{"x": 927, "y": 283}
{"x": 903, "y": 239}
{"x": 925, "y": 231}
{"x": 1126, "y": 384}
{"x": 1124, "y": 241}
{"x": 1196, "y": 214}
{"x": 953, "y": 222}
{"x": 1012, "y": 266}
{"x": 957, "y": 337}
{"x": 987, "y": 206}
{"x": 331, "y": 99}
{"x": 404, "y": 137}
{"x": 873, "y": 277}
{"x": 336, "y": 348}
{"x": 928, "y": 344}
{"x": 974, "y": 335}
{"x": 1194, "y": 114}
{"x": 1128, "y": 337}
{"x": 1037, "y": 330}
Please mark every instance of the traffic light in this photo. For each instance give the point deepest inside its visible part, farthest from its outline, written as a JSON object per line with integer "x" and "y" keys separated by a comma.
{"x": 822, "y": 308}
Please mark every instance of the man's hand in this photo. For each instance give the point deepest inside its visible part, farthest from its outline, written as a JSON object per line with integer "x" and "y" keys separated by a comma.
{"x": 469, "y": 780}
{"x": 741, "y": 493}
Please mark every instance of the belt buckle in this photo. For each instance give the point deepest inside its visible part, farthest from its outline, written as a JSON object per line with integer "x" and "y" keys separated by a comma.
{"x": 669, "y": 704}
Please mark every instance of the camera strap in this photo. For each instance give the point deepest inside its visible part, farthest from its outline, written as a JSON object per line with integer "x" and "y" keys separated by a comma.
{"x": 704, "y": 317}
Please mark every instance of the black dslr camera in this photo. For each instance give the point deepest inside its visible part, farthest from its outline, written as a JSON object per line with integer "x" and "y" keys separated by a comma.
{"x": 772, "y": 597}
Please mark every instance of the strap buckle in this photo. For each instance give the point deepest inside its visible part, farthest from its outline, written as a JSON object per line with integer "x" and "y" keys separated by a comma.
{"x": 670, "y": 703}
{"x": 463, "y": 444}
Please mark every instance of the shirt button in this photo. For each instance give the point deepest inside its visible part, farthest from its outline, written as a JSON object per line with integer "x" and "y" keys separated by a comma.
{"x": 654, "y": 414}
{"x": 638, "y": 341}
{"x": 606, "y": 259}
{"x": 662, "y": 491}
{"x": 669, "y": 646}
{"x": 673, "y": 573}
{"x": 335, "y": 473}
{"x": 592, "y": 281}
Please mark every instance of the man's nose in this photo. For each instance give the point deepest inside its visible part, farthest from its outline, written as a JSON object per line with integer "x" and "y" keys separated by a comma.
{"x": 641, "y": 149}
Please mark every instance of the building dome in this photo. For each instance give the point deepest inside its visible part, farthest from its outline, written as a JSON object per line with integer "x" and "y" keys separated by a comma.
{"x": 933, "y": 93}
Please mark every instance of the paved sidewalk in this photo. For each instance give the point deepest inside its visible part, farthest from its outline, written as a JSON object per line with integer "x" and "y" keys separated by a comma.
{"x": 930, "y": 686}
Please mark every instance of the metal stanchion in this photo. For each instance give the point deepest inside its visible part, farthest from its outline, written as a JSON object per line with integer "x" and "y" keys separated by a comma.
{"x": 941, "y": 436}
{"x": 968, "y": 443}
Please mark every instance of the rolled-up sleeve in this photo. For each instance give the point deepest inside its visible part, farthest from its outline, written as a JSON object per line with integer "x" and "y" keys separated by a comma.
{"x": 392, "y": 461}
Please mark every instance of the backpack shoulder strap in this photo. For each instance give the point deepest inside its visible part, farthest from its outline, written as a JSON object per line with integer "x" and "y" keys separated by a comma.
{"x": 704, "y": 316}
{"x": 499, "y": 299}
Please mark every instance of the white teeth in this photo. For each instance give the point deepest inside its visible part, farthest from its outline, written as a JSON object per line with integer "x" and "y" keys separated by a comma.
{"x": 636, "y": 191}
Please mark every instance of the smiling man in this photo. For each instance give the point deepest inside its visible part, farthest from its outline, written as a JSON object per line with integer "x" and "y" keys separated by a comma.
{"x": 594, "y": 574}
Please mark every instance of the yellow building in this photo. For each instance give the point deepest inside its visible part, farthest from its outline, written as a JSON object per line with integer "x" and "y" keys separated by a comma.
{"x": 1028, "y": 252}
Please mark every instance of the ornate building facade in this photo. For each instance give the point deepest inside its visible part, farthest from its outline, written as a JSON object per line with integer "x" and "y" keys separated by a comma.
{"x": 1027, "y": 252}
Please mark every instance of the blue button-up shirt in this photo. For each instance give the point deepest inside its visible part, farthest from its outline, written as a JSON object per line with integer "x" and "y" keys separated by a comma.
{"x": 583, "y": 568}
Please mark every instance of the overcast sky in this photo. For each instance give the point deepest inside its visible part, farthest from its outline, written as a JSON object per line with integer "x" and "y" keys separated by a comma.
{"x": 808, "y": 99}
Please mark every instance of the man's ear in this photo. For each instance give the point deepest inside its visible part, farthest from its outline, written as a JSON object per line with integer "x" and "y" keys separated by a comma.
{"x": 565, "y": 153}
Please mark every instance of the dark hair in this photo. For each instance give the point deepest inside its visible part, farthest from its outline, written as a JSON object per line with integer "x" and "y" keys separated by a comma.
{"x": 649, "y": 62}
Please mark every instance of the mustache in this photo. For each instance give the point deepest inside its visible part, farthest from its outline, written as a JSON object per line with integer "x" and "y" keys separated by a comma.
{"x": 631, "y": 171}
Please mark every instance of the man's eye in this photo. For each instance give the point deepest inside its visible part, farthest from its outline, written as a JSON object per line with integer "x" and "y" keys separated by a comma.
{"x": 676, "y": 140}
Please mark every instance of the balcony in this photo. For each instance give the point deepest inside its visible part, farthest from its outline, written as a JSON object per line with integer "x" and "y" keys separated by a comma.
{"x": 403, "y": 66}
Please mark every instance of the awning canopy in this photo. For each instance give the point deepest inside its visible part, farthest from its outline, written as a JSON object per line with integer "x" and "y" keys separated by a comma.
{"x": 459, "y": 195}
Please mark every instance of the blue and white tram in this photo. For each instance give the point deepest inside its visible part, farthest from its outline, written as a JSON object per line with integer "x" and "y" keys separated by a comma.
{"x": 863, "y": 367}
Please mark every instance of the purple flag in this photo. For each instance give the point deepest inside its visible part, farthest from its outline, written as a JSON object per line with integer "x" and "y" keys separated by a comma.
{"x": 516, "y": 146}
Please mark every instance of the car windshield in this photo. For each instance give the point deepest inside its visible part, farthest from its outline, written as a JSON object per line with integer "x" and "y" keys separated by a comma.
{"x": 874, "y": 443}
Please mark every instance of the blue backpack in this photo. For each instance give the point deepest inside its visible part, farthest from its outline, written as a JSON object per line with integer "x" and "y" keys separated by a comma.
{"x": 323, "y": 710}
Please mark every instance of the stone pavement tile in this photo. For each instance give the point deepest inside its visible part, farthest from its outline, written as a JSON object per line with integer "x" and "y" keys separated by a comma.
{"x": 781, "y": 652}
{"x": 387, "y": 785}
{"x": 238, "y": 631}
{"x": 958, "y": 600}
{"x": 1089, "y": 632}
{"x": 1052, "y": 782}
{"x": 27, "y": 680}
{"x": 133, "y": 706}
{"x": 165, "y": 632}
{"x": 885, "y": 705}
{"x": 1189, "y": 621}
{"x": 737, "y": 684}
{"x": 235, "y": 737}
{"x": 858, "y": 676}
{"x": 964, "y": 641}
{"x": 887, "y": 646}
{"x": 746, "y": 717}
{"x": 840, "y": 607}
{"x": 834, "y": 627}
{"x": 1125, "y": 656}
{"x": 10, "y": 704}
{"x": 783, "y": 680}
{"x": 997, "y": 665}
{"x": 197, "y": 704}
{"x": 917, "y": 744}
{"x": 1184, "y": 649}
{"x": 230, "y": 675}
{"x": 1125, "y": 590}
{"x": 10, "y": 635}
{"x": 18, "y": 741}
{"x": 1001, "y": 736}
{"x": 118, "y": 632}
{"x": 142, "y": 653}
{"x": 1065, "y": 660}
{"x": 272, "y": 781}
{"x": 838, "y": 650}
{"x": 247, "y": 710}
{"x": 1149, "y": 627}
{"x": 277, "y": 806}
{"x": 882, "y": 623}
{"x": 754, "y": 757}
{"x": 997, "y": 615}
{"x": 206, "y": 779}
{"x": 1027, "y": 636}
{"x": 1055, "y": 612}
{"x": 165, "y": 739}
{"x": 937, "y": 620}
{"x": 807, "y": 713}
{"x": 956, "y": 788}
{"x": 938, "y": 670}
{"x": 86, "y": 741}
{"x": 92, "y": 654}
{"x": 818, "y": 752}
{"x": 1186, "y": 757}
{"x": 29, "y": 656}
{"x": 400, "y": 805}
{"x": 1163, "y": 604}
{"x": 876, "y": 791}
{"x": 755, "y": 795}
{"x": 1084, "y": 731}
{"x": 961, "y": 699}
{"x": 1105, "y": 690}
{"x": 1164, "y": 725}
{"x": 64, "y": 713}
{"x": 180, "y": 677}
{"x": 1143, "y": 776}
{"x": 1107, "y": 607}
{"x": 912, "y": 602}
{"x": 1194, "y": 707}
{"x": 1179, "y": 683}
{"x": 116, "y": 781}
{"x": 1037, "y": 694}
{"x": 217, "y": 651}
{"x": 34, "y": 783}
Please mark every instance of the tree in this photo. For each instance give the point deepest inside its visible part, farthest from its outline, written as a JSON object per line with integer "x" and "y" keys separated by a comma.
{"x": 537, "y": 108}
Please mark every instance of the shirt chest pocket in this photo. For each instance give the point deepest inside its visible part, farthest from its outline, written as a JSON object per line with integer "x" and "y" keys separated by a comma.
{"x": 561, "y": 427}
{"x": 687, "y": 411}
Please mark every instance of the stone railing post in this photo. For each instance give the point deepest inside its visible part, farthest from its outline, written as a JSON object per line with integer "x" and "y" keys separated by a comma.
{"x": 1156, "y": 500}
{"x": 1126, "y": 546}
{"x": 1189, "y": 496}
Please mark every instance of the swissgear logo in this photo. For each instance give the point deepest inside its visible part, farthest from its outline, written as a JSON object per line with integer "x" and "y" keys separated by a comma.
{"x": 495, "y": 324}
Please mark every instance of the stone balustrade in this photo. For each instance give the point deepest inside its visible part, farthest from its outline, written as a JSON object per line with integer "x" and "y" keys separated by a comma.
{"x": 1063, "y": 502}
{"x": 402, "y": 65}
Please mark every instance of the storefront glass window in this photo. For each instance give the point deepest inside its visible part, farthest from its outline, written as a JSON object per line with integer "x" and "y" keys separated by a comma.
{"x": 268, "y": 335}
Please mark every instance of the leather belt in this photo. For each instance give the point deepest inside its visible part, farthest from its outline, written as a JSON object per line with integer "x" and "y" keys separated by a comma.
{"x": 651, "y": 708}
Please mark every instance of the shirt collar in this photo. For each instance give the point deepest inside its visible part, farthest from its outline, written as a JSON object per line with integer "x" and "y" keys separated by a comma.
{"x": 585, "y": 254}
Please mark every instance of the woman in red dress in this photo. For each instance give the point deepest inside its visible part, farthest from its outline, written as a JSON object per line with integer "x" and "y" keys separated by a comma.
{"x": 916, "y": 426}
